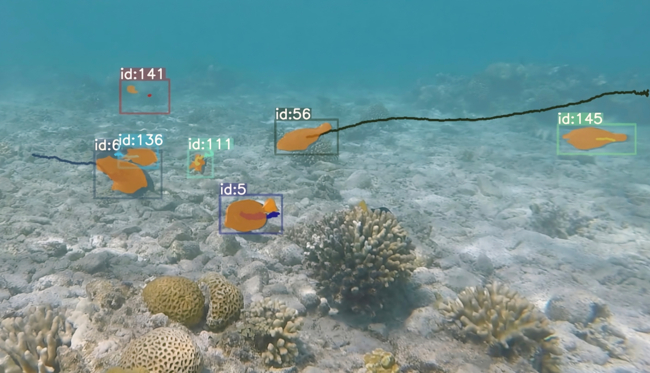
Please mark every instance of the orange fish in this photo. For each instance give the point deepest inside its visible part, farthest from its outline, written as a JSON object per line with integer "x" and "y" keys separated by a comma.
{"x": 198, "y": 163}
{"x": 591, "y": 138}
{"x": 143, "y": 157}
{"x": 247, "y": 215}
{"x": 300, "y": 139}
{"x": 127, "y": 177}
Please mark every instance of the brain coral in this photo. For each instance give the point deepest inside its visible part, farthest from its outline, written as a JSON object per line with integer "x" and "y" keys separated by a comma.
{"x": 510, "y": 324}
{"x": 356, "y": 256}
{"x": 226, "y": 300}
{"x": 273, "y": 327}
{"x": 163, "y": 350}
{"x": 28, "y": 345}
{"x": 179, "y": 298}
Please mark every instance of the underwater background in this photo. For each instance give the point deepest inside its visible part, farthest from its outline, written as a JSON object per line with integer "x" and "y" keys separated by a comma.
{"x": 519, "y": 243}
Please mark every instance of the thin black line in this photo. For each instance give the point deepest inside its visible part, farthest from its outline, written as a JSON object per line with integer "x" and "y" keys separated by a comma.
{"x": 480, "y": 119}
{"x": 62, "y": 160}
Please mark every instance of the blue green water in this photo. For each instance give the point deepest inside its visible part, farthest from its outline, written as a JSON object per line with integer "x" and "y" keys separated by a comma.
{"x": 512, "y": 201}
{"x": 379, "y": 42}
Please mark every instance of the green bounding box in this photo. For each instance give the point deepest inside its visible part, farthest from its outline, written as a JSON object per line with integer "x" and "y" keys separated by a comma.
{"x": 592, "y": 138}
{"x": 208, "y": 157}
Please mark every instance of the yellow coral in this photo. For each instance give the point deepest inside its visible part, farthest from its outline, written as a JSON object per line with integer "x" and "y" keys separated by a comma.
{"x": 225, "y": 299}
{"x": 179, "y": 298}
{"x": 380, "y": 361}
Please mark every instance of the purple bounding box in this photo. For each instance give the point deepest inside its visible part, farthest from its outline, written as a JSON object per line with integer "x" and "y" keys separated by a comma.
{"x": 251, "y": 214}
{"x": 145, "y": 91}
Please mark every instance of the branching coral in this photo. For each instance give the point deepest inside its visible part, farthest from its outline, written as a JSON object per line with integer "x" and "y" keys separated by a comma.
{"x": 273, "y": 327}
{"x": 356, "y": 256}
{"x": 28, "y": 345}
{"x": 508, "y": 323}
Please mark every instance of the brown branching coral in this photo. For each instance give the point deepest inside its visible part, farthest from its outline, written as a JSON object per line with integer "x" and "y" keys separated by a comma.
{"x": 28, "y": 345}
{"x": 357, "y": 256}
{"x": 273, "y": 327}
{"x": 507, "y": 322}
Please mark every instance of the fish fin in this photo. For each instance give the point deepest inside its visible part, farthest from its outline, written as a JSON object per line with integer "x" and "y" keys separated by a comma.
{"x": 127, "y": 177}
{"x": 270, "y": 206}
{"x": 363, "y": 205}
{"x": 142, "y": 156}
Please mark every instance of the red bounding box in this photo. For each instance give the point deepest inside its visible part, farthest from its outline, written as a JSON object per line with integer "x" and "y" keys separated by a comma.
{"x": 144, "y": 91}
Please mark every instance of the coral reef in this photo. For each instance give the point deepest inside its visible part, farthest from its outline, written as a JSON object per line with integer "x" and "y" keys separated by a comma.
{"x": 507, "y": 322}
{"x": 357, "y": 256}
{"x": 163, "y": 350}
{"x": 225, "y": 299}
{"x": 273, "y": 328}
{"x": 179, "y": 298}
{"x": 29, "y": 344}
{"x": 380, "y": 361}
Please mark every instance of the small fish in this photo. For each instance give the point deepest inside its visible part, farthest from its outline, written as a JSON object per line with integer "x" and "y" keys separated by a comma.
{"x": 125, "y": 173}
{"x": 127, "y": 177}
{"x": 198, "y": 163}
{"x": 248, "y": 215}
{"x": 143, "y": 157}
{"x": 364, "y": 207}
{"x": 587, "y": 138}
{"x": 551, "y": 337}
{"x": 300, "y": 139}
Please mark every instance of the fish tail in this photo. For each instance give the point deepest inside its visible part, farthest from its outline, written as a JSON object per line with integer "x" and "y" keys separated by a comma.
{"x": 620, "y": 137}
{"x": 270, "y": 206}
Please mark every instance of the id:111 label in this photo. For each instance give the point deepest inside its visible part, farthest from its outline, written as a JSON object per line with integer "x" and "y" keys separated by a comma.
{"x": 198, "y": 143}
